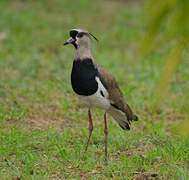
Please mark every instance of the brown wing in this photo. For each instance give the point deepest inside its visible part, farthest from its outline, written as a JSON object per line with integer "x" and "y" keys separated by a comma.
{"x": 115, "y": 94}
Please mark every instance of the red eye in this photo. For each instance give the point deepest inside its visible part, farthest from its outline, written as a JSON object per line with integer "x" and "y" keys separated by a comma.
{"x": 79, "y": 35}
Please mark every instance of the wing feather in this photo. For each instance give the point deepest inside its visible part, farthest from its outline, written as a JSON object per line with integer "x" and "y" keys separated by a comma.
{"x": 115, "y": 95}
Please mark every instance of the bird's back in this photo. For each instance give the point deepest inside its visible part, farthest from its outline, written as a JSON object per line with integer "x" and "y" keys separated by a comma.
{"x": 119, "y": 109}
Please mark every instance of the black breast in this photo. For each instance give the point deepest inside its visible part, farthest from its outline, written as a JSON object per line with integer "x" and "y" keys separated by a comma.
{"x": 83, "y": 77}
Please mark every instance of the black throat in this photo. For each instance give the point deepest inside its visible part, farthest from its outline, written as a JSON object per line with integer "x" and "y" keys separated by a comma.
{"x": 83, "y": 77}
{"x": 75, "y": 45}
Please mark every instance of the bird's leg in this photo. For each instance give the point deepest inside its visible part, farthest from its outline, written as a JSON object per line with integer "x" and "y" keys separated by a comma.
{"x": 90, "y": 126}
{"x": 105, "y": 137}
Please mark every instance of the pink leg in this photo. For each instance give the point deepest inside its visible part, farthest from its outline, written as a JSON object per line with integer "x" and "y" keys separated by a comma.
{"x": 90, "y": 127}
{"x": 105, "y": 137}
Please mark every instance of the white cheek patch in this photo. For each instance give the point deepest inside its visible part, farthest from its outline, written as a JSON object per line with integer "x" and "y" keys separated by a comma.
{"x": 76, "y": 41}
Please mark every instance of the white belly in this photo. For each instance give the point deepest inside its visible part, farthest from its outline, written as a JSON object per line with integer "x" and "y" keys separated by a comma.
{"x": 97, "y": 100}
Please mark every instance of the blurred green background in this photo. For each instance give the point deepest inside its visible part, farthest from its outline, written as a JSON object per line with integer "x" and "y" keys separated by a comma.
{"x": 144, "y": 44}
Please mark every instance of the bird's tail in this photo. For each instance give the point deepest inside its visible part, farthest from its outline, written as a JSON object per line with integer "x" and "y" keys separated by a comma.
{"x": 123, "y": 118}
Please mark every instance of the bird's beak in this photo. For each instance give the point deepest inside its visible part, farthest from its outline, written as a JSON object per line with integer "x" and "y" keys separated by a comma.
{"x": 69, "y": 41}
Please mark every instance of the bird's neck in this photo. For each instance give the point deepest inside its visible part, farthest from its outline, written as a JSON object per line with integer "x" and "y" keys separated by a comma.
{"x": 83, "y": 52}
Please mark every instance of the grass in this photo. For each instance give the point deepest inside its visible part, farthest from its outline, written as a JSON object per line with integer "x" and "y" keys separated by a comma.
{"x": 43, "y": 126}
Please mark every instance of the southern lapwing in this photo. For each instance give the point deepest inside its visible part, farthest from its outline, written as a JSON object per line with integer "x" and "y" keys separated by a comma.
{"x": 95, "y": 86}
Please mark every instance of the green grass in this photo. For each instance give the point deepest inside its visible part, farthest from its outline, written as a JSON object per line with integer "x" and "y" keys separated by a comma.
{"x": 42, "y": 125}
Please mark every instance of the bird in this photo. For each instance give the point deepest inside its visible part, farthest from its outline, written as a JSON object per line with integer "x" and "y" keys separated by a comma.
{"x": 96, "y": 87}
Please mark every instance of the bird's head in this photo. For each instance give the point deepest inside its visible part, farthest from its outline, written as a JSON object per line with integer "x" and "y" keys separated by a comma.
{"x": 79, "y": 38}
